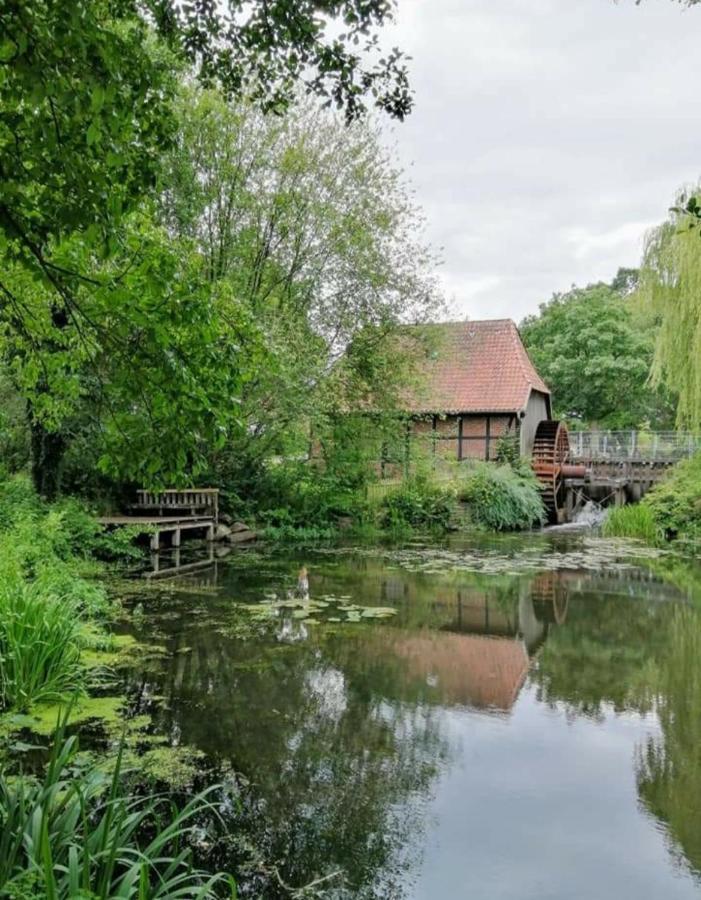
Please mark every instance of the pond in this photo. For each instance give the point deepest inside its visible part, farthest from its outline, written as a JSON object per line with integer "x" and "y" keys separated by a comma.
{"x": 521, "y": 719}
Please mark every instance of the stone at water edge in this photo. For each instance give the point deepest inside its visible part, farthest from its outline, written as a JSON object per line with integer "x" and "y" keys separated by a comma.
{"x": 241, "y": 537}
{"x": 221, "y": 532}
{"x": 239, "y": 526}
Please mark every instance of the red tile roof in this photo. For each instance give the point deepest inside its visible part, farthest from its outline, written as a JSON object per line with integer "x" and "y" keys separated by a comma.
{"x": 471, "y": 367}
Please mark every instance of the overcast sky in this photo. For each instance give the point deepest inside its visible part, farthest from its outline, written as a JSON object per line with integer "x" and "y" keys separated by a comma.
{"x": 548, "y": 135}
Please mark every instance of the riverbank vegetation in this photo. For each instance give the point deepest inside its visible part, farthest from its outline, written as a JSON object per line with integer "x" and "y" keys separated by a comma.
{"x": 670, "y": 511}
{"x": 79, "y": 833}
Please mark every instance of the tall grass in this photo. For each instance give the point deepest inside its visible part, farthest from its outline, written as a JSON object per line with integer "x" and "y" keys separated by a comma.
{"x": 635, "y": 521}
{"x": 79, "y": 834}
{"x": 39, "y": 645}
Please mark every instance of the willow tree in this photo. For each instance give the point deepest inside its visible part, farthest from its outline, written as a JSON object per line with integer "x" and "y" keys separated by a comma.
{"x": 670, "y": 290}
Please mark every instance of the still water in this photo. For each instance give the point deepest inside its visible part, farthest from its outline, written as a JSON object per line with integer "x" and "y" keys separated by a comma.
{"x": 527, "y": 724}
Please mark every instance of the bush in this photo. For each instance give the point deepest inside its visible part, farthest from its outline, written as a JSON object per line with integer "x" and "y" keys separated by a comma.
{"x": 675, "y": 503}
{"x": 502, "y": 498}
{"x": 636, "y": 521}
{"x": 18, "y": 500}
{"x": 300, "y": 496}
{"x": 78, "y": 833}
{"x": 419, "y": 504}
{"x": 45, "y": 598}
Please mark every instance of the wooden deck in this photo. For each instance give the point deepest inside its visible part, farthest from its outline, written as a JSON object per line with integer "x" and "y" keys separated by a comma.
{"x": 190, "y": 509}
{"x": 158, "y": 525}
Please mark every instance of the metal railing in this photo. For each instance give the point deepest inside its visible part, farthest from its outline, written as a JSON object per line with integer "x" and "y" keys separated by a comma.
{"x": 634, "y": 446}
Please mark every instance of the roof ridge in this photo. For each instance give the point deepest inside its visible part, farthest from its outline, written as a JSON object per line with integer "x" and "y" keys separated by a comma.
{"x": 462, "y": 322}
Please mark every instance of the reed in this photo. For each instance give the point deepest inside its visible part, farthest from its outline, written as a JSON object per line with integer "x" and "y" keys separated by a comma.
{"x": 39, "y": 645}
{"x": 79, "y": 834}
{"x": 634, "y": 521}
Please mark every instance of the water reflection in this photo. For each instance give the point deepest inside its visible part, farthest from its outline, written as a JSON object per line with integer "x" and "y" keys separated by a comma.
{"x": 668, "y": 767}
{"x": 349, "y": 736}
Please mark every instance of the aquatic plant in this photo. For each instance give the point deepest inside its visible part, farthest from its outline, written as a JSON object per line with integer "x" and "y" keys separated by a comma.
{"x": 79, "y": 833}
{"x": 39, "y": 645}
{"x": 635, "y": 521}
{"x": 502, "y": 498}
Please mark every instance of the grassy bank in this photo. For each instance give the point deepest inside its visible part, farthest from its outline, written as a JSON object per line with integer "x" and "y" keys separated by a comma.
{"x": 670, "y": 511}
{"x": 305, "y": 504}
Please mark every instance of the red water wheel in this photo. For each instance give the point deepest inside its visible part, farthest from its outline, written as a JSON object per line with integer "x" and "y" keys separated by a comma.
{"x": 551, "y": 449}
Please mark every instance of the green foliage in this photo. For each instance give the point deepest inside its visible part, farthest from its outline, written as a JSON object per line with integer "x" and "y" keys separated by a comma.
{"x": 46, "y": 593}
{"x": 670, "y": 290}
{"x": 268, "y": 47}
{"x": 112, "y": 324}
{"x": 79, "y": 833}
{"x": 635, "y": 521}
{"x": 39, "y": 644}
{"x": 300, "y": 495}
{"x": 310, "y": 224}
{"x": 18, "y": 500}
{"x": 420, "y": 504}
{"x": 595, "y": 356}
{"x": 675, "y": 503}
{"x": 502, "y": 498}
{"x": 299, "y": 534}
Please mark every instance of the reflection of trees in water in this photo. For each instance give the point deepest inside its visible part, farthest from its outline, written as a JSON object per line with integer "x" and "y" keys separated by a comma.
{"x": 337, "y": 773}
{"x": 607, "y": 653}
{"x": 668, "y": 767}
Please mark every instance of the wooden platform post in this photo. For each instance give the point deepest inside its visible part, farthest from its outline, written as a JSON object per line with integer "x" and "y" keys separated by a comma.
{"x": 155, "y": 540}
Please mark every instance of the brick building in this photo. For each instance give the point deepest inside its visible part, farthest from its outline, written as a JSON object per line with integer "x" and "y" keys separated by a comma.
{"x": 473, "y": 384}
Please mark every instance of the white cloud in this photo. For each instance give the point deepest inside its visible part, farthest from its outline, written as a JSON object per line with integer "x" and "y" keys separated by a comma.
{"x": 547, "y": 137}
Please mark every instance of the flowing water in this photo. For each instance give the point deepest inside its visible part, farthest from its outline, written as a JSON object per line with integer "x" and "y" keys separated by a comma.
{"x": 520, "y": 719}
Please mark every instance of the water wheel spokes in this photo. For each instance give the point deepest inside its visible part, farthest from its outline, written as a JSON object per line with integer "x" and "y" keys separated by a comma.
{"x": 551, "y": 449}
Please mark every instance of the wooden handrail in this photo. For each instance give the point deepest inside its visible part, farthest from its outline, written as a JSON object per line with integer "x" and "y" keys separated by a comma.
{"x": 174, "y": 498}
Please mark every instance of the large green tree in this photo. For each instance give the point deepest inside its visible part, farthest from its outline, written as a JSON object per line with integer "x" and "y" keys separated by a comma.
{"x": 596, "y": 355}
{"x": 87, "y": 110}
{"x": 310, "y": 223}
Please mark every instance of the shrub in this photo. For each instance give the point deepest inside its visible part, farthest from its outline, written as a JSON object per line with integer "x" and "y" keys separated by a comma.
{"x": 78, "y": 833}
{"x": 44, "y": 597}
{"x": 298, "y": 495}
{"x": 18, "y": 500}
{"x": 419, "y": 504}
{"x": 675, "y": 503}
{"x": 635, "y": 521}
{"x": 502, "y": 498}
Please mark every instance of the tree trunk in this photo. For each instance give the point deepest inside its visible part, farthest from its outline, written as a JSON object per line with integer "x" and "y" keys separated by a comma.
{"x": 47, "y": 450}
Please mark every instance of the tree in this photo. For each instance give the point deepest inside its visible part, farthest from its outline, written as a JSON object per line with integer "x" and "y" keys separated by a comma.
{"x": 596, "y": 357}
{"x": 309, "y": 222}
{"x": 670, "y": 290}
{"x": 155, "y": 381}
{"x": 87, "y": 92}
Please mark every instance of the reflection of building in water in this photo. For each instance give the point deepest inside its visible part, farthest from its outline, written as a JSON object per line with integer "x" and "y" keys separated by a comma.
{"x": 481, "y": 655}
{"x": 467, "y": 669}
